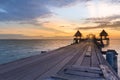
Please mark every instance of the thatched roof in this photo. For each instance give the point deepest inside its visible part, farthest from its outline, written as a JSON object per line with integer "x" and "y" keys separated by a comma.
{"x": 78, "y": 34}
{"x": 103, "y": 33}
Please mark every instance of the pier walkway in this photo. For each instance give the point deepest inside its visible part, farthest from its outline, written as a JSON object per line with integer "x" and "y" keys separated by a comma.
{"x": 83, "y": 61}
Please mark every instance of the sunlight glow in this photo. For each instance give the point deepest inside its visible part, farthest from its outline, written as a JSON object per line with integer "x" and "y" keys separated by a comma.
{"x": 64, "y": 21}
{"x": 102, "y": 9}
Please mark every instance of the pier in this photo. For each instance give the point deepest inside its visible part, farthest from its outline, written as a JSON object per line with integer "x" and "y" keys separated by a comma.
{"x": 83, "y": 60}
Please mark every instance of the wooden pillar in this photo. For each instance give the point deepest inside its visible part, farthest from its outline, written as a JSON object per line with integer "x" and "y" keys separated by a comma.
{"x": 79, "y": 39}
{"x": 111, "y": 57}
{"x": 107, "y": 41}
{"x": 76, "y": 40}
{"x": 101, "y": 40}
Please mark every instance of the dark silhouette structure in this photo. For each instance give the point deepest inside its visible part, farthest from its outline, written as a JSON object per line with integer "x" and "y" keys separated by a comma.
{"x": 78, "y": 34}
{"x": 78, "y": 37}
{"x": 103, "y": 36}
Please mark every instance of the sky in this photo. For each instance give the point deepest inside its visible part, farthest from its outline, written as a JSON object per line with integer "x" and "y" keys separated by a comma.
{"x": 46, "y": 19}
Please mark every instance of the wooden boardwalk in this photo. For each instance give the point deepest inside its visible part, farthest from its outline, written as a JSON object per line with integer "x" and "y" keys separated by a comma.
{"x": 82, "y": 61}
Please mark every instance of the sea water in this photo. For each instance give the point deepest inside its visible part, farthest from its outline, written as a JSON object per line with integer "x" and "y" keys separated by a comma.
{"x": 11, "y": 50}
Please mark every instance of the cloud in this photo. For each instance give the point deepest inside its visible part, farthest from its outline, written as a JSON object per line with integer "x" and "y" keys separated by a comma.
{"x": 115, "y": 1}
{"x": 21, "y": 10}
{"x": 103, "y": 19}
{"x": 17, "y": 10}
{"x": 42, "y": 25}
{"x": 108, "y": 18}
{"x": 2, "y": 10}
{"x": 26, "y": 11}
{"x": 113, "y": 25}
{"x": 112, "y": 22}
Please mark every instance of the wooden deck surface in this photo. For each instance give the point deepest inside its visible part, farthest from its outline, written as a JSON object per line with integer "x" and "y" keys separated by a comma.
{"x": 82, "y": 61}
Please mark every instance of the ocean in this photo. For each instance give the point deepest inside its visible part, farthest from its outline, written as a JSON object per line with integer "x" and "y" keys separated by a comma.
{"x": 11, "y": 50}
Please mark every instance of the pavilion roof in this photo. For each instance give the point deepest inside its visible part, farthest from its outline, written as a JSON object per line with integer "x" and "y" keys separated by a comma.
{"x": 78, "y": 34}
{"x": 103, "y": 33}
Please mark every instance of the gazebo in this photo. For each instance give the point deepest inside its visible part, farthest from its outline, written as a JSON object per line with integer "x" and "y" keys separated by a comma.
{"x": 103, "y": 34}
{"x": 77, "y": 36}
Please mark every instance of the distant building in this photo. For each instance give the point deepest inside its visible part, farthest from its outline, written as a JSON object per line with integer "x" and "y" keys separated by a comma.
{"x": 103, "y": 34}
{"x": 78, "y": 36}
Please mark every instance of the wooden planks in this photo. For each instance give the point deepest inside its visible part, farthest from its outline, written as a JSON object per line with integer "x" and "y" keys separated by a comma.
{"x": 87, "y": 58}
{"x": 80, "y": 59}
{"x": 88, "y": 52}
{"x": 86, "y": 69}
{"x": 86, "y": 61}
{"x": 55, "y": 69}
{"x": 108, "y": 74}
{"x": 82, "y": 73}
{"x": 94, "y": 58}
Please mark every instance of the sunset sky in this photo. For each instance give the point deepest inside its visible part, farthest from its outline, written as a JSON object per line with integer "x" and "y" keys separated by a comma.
{"x": 39, "y": 19}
